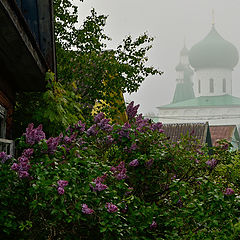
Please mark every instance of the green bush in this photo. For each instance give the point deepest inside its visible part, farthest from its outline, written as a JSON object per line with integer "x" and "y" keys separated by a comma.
{"x": 110, "y": 181}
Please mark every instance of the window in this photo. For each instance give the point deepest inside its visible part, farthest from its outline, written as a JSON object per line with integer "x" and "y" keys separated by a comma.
{"x": 2, "y": 122}
{"x": 224, "y": 85}
{"x": 211, "y": 83}
{"x": 199, "y": 86}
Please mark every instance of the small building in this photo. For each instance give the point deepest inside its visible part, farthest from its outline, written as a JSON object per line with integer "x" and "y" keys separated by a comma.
{"x": 228, "y": 132}
{"x": 27, "y": 52}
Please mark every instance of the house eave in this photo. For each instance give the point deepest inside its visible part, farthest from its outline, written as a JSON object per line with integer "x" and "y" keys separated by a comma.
{"x": 20, "y": 54}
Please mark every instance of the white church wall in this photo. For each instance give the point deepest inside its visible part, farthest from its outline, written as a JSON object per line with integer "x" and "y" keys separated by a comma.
{"x": 217, "y": 74}
{"x": 215, "y": 116}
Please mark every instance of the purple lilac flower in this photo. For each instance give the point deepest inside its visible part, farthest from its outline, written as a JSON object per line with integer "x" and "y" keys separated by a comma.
{"x": 134, "y": 163}
{"x": 98, "y": 184}
{"x": 104, "y": 125}
{"x": 153, "y": 225}
{"x": 34, "y": 135}
{"x": 23, "y": 164}
{"x": 80, "y": 126}
{"x": 15, "y": 167}
{"x": 62, "y": 183}
{"x": 60, "y": 190}
{"x": 142, "y": 124}
{"x": 52, "y": 144}
{"x": 228, "y": 191}
{"x": 121, "y": 175}
{"x": 28, "y": 152}
{"x": 158, "y": 127}
{"x": 119, "y": 171}
{"x": 86, "y": 209}
{"x": 23, "y": 174}
{"x": 111, "y": 208}
{"x": 70, "y": 129}
{"x": 4, "y": 157}
{"x": 92, "y": 131}
{"x": 132, "y": 110}
{"x": 149, "y": 163}
{"x": 133, "y": 147}
{"x": 124, "y": 131}
{"x": 99, "y": 117}
{"x": 212, "y": 163}
{"x": 68, "y": 140}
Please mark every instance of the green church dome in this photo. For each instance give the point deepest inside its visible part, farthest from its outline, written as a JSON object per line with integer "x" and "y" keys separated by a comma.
{"x": 213, "y": 51}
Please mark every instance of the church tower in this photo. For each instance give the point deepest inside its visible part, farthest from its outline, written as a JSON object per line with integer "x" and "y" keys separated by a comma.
{"x": 184, "y": 86}
{"x": 213, "y": 60}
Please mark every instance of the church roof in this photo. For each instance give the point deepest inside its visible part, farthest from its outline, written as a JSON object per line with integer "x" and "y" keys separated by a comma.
{"x": 213, "y": 51}
{"x": 206, "y": 101}
{"x": 174, "y": 131}
{"x": 228, "y": 132}
{"x": 183, "y": 91}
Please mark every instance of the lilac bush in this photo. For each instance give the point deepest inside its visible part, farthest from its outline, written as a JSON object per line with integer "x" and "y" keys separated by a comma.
{"x": 103, "y": 180}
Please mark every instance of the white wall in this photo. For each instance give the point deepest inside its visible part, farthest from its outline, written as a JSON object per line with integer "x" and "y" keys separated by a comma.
{"x": 215, "y": 116}
{"x": 217, "y": 74}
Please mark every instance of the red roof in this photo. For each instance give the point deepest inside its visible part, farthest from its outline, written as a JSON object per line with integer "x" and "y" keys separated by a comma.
{"x": 222, "y": 132}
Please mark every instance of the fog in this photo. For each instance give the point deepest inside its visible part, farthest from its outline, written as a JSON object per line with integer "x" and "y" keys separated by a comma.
{"x": 169, "y": 21}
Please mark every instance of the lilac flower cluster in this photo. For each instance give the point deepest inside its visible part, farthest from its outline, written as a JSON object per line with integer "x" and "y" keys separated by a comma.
{"x": 132, "y": 110}
{"x": 125, "y": 131}
{"x": 23, "y": 164}
{"x": 86, "y": 209}
{"x": 4, "y": 157}
{"x": 61, "y": 185}
{"x": 69, "y": 140}
{"x": 99, "y": 117}
{"x": 228, "y": 191}
{"x": 157, "y": 127}
{"x": 34, "y": 135}
{"x": 52, "y": 143}
{"x": 104, "y": 125}
{"x": 153, "y": 225}
{"x": 97, "y": 184}
{"x": 92, "y": 131}
{"x": 149, "y": 163}
{"x": 79, "y": 126}
{"x": 212, "y": 163}
{"x": 134, "y": 163}
{"x": 111, "y": 208}
{"x": 143, "y": 124}
{"x": 119, "y": 171}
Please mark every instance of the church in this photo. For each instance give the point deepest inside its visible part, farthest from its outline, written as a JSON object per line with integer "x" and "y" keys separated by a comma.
{"x": 203, "y": 90}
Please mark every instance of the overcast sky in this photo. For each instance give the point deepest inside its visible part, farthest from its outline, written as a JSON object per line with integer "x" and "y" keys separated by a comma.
{"x": 169, "y": 21}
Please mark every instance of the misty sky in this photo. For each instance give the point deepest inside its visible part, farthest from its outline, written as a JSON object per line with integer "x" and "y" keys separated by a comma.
{"x": 169, "y": 21}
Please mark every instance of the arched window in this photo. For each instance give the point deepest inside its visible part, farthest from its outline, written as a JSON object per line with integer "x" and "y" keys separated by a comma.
{"x": 224, "y": 85}
{"x": 211, "y": 85}
{"x": 199, "y": 86}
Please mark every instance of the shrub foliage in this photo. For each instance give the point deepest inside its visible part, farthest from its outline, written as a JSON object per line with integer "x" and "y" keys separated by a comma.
{"x": 110, "y": 181}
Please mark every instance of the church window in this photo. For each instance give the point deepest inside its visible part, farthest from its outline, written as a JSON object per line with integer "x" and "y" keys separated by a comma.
{"x": 211, "y": 83}
{"x": 224, "y": 85}
{"x": 199, "y": 86}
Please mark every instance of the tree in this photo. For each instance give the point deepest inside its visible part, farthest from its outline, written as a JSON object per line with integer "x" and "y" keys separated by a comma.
{"x": 87, "y": 72}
